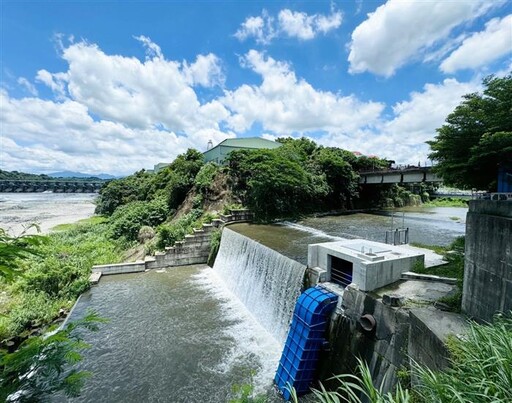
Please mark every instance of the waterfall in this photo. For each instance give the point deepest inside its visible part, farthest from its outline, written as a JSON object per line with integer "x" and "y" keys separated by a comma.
{"x": 267, "y": 282}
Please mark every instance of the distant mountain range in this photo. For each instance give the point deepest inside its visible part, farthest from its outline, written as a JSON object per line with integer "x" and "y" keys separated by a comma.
{"x": 71, "y": 174}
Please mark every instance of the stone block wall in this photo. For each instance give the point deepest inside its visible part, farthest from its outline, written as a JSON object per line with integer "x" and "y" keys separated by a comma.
{"x": 488, "y": 259}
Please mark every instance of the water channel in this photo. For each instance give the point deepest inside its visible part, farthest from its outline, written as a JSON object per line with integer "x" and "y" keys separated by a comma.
{"x": 183, "y": 334}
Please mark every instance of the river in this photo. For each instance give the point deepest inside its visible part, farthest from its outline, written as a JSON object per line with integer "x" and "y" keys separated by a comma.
{"x": 179, "y": 335}
{"x": 20, "y": 210}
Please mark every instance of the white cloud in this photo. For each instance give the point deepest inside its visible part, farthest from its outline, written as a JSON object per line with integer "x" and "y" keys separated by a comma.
{"x": 402, "y": 138}
{"x": 156, "y": 92}
{"x": 112, "y": 113}
{"x": 399, "y": 30}
{"x": 152, "y": 49}
{"x": 482, "y": 47}
{"x": 47, "y": 136}
{"x": 27, "y": 85}
{"x": 205, "y": 71}
{"x": 293, "y": 24}
{"x": 259, "y": 27}
{"x": 303, "y": 26}
{"x": 286, "y": 104}
{"x": 56, "y": 82}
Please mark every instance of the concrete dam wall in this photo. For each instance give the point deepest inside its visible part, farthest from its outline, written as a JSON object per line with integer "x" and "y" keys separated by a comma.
{"x": 488, "y": 259}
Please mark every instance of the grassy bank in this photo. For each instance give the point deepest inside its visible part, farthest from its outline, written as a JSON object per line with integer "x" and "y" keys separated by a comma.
{"x": 446, "y": 202}
{"x": 52, "y": 281}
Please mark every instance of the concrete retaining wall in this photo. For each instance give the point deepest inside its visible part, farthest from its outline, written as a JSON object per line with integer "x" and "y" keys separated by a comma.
{"x": 400, "y": 335}
{"x": 194, "y": 249}
{"x": 132, "y": 267}
{"x": 488, "y": 259}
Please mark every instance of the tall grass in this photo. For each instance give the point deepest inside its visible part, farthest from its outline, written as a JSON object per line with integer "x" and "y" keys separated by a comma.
{"x": 54, "y": 278}
{"x": 480, "y": 372}
{"x": 481, "y": 369}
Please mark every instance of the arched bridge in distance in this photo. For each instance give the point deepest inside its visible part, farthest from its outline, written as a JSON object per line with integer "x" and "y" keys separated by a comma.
{"x": 52, "y": 185}
{"x": 404, "y": 175}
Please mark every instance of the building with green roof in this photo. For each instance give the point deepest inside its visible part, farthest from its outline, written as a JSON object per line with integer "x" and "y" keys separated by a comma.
{"x": 219, "y": 153}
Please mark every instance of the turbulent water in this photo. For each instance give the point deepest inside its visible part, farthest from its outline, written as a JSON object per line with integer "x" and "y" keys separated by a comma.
{"x": 188, "y": 334}
{"x": 266, "y": 282}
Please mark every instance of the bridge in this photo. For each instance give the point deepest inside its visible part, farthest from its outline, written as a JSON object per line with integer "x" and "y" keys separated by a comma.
{"x": 405, "y": 175}
{"x": 52, "y": 185}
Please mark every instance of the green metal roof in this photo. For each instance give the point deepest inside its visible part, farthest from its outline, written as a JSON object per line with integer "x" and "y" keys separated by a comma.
{"x": 249, "y": 142}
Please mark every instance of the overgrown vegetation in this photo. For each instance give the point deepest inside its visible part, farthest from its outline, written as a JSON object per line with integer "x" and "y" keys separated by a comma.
{"x": 446, "y": 202}
{"x": 51, "y": 279}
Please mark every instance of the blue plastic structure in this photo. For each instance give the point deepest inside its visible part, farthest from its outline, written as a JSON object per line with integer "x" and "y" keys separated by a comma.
{"x": 297, "y": 367}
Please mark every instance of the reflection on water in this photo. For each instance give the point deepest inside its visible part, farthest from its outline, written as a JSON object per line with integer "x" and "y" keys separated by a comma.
{"x": 430, "y": 226}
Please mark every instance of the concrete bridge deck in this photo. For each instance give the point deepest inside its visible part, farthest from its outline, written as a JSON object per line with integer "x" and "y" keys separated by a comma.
{"x": 407, "y": 175}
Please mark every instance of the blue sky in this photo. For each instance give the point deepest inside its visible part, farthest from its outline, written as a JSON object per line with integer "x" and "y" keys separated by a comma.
{"x": 115, "y": 86}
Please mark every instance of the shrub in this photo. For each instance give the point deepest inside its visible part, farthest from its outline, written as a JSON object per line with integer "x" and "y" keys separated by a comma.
{"x": 214, "y": 247}
{"x": 129, "y": 219}
{"x": 169, "y": 234}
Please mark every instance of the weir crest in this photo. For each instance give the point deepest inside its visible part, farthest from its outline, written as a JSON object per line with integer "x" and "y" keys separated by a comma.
{"x": 267, "y": 282}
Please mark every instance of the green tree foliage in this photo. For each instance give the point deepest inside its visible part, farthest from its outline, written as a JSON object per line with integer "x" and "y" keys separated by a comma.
{"x": 128, "y": 219}
{"x": 206, "y": 176}
{"x": 273, "y": 183}
{"x": 172, "y": 182}
{"x": 123, "y": 191}
{"x": 341, "y": 178}
{"x": 169, "y": 233}
{"x": 476, "y": 137}
{"x": 42, "y": 365}
{"x": 14, "y": 248}
{"x": 15, "y": 175}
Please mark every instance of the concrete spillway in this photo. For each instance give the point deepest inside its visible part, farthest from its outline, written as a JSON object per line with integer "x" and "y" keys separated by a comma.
{"x": 267, "y": 282}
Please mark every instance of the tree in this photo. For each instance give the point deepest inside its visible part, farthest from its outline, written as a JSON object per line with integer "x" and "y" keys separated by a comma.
{"x": 476, "y": 138}
{"x": 14, "y": 248}
{"x": 42, "y": 365}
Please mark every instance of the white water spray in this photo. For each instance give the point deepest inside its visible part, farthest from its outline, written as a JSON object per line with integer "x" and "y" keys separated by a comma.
{"x": 267, "y": 282}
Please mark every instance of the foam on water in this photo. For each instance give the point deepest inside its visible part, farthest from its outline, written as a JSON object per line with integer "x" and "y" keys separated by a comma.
{"x": 313, "y": 231}
{"x": 251, "y": 338}
{"x": 266, "y": 282}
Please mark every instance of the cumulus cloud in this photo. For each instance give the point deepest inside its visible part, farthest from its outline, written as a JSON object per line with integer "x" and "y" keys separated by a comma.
{"x": 303, "y": 26}
{"x": 402, "y": 137}
{"x": 398, "y": 31}
{"x": 48, "y": 136}
{"x": 482, "y": 47}
{"x": 293, "y": 24}
{"x": 205, "y": 71}
{"x": 260, "y": 27}
{"x": 112, "y": 113}
{"x": 286, "y": 104}
{"x": 56, "y": 82}
{"x": 142, "y": 94}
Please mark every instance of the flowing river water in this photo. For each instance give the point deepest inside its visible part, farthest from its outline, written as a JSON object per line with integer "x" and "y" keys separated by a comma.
{"x": 184, "y": 334}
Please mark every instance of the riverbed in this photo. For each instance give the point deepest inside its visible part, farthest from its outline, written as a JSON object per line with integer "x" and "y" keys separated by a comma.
{"x": 19, "y": 210}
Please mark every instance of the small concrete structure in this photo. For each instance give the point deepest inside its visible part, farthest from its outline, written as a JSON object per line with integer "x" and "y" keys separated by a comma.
{"x": 94, "y": 278}
{"x": 369, "y": 265}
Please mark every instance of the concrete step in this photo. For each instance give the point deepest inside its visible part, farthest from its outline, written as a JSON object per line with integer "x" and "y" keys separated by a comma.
{"x": 94, "y": 278}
